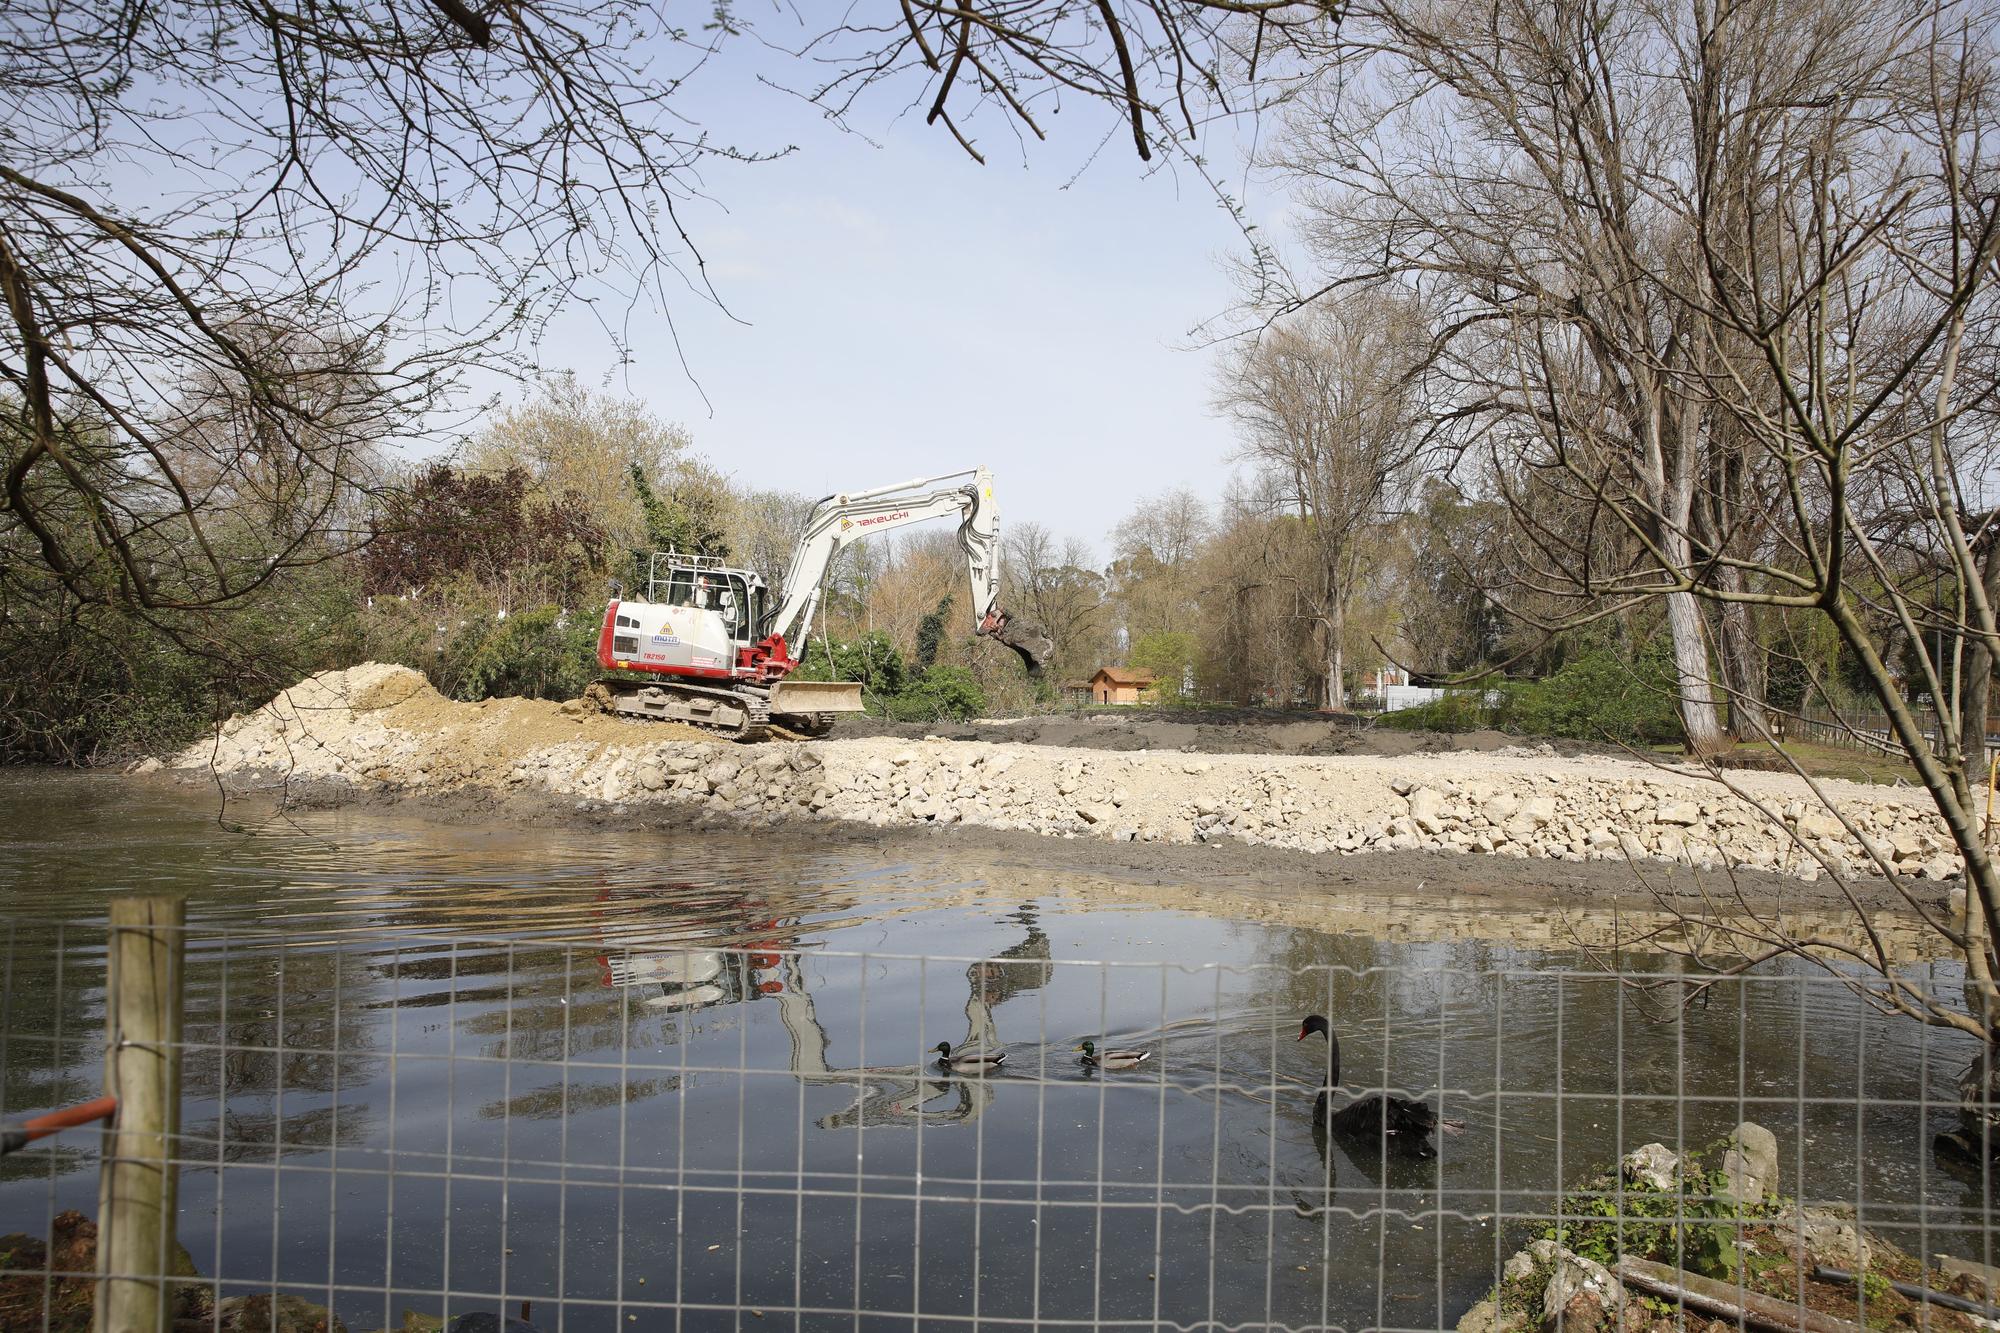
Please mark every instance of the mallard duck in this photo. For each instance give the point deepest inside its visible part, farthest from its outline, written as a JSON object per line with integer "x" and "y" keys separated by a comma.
{"x": 969, "y": 1059}
{"x": 1393, "y": 1122}
{"x": 1112, "y": 1059}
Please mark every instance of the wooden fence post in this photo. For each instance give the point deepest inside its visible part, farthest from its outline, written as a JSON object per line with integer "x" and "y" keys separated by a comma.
{"x": 137, "y": 1194}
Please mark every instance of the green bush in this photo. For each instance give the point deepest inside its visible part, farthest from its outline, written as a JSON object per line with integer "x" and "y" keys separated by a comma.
{"x": 1599, "y": 697}
{"x": 1596, "y": 697}
{"x": 536, "y": 654}
{"x": 1459, "y": 710}
{"x": 470, "y": 651}
{"x": 941, "y": 693}
{"x": 871, "y": 659}
{"x": 90, "y": 683}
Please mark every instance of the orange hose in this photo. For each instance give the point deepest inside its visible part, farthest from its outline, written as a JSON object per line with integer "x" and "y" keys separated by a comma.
{"x": 103, "y": 1108}
{"x": 14, "y": 1138}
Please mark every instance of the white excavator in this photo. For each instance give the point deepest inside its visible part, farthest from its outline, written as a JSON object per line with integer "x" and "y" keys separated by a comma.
{"x": 707, "y": 648}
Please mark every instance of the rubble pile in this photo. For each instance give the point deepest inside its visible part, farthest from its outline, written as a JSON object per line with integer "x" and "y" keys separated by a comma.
{"x": 381, "y": 726}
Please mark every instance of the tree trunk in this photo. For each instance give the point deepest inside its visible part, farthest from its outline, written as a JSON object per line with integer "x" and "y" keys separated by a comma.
{"x": 1741, "y": 658}
{"x": 1697, "y": 696}
{"x": 1336, "y": 684}
{"x": 1976, "y": 688}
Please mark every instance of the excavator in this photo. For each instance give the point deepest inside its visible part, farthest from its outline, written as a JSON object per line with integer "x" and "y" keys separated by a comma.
{"x": 707, "y": 647}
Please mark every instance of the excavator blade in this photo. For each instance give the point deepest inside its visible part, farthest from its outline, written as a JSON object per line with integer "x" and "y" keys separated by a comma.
{"x": 816, "y": 696}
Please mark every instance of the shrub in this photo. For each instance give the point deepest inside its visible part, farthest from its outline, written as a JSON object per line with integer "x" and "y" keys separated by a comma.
{"x": 944, "y": 693}
{"x": 469, "y": 651}
{"x": 1595, "y": 697}
{"x": 84, "y": 684}
{"x": 871, "y": 659}
{"x": 1599, "y": 697}
{"x": 1459, "y": 710}
{"x": 538, "y": 654}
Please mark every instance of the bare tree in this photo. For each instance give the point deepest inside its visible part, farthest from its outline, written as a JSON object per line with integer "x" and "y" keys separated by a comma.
{"x": 1153, "y": 553}
{"x": 420, "y": 184}
{"x": 1168, "y": 66}
{"x": 1549, "y": 224}
{"x": 222, "y": 170}
{"x": 572, "y": 439}
{"x": 764, "y": 526}
{"x": 1051, "y": 582}
{"x": 1720, "y": 283}
{"x": 1328, "y": 406}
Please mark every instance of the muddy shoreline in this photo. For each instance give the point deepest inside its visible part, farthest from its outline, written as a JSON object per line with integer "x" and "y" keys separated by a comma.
{"x": 1242, "y": 868}
{"x": 1511, "y": 824}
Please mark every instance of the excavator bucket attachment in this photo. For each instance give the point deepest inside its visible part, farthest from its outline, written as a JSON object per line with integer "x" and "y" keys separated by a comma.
{"x": 1029, "y": 640}
{"x": 816, "y": 696}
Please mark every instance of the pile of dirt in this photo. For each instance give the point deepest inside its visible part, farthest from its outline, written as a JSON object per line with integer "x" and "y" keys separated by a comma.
{"x": 388, "y": 723}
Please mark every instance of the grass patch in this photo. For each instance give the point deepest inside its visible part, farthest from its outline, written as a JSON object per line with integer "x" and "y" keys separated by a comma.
{"x": 1817, "y": 760}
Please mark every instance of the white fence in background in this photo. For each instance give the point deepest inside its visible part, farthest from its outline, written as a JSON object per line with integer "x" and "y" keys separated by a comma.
{"x": 1395, "y": 698}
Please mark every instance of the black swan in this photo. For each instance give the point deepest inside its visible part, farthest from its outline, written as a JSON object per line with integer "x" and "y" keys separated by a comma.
{"x": 1394, "y": 1122}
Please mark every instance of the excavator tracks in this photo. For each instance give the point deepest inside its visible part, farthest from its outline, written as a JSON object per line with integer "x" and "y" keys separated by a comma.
{"x": 738, "y": 716}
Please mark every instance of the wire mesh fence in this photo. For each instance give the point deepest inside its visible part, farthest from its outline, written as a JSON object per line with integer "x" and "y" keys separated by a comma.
{"x": 642, "y": 1131}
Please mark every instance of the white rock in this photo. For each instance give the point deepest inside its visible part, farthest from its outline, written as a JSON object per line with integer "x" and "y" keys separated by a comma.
{"x": 1654, "y": 1165}
{"x": 1751, "y": 1164}
{"x": 1576, "y": 1276}
{"x": 1425, "y": 804}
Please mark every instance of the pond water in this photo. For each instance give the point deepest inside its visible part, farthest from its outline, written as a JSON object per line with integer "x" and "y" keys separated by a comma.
{"x": 645, "y": 1080}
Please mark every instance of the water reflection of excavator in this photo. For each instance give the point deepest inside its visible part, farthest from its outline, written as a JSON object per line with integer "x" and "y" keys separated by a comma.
{"x": 719, "y": 947}
{"x": 722, "y": 946}
{"x": 903, "y": 1094}
{"x": 700, "y": 959}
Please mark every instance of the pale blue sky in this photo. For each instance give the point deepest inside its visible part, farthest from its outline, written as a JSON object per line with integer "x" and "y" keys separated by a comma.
{"x": 908, "y": 311}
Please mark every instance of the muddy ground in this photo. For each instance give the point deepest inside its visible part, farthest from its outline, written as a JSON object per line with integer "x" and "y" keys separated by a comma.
{"x": 1313, "y": 802}
{"x": 1247, "y": 871}
{"x": 1204, "y": 731}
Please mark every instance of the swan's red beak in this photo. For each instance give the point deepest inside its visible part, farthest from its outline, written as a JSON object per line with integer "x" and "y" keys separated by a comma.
{"x": 1302, "y": 1033}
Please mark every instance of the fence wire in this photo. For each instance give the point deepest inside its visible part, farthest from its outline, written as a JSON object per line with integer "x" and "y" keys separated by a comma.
{"x": 641, "y": 1131}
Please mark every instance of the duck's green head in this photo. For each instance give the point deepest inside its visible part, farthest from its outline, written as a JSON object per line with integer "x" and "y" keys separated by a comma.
{"x": 1088, "y": 1048}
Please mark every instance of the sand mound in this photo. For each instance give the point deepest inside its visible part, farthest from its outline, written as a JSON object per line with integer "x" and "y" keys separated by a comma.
{"x": 384, "y": 721}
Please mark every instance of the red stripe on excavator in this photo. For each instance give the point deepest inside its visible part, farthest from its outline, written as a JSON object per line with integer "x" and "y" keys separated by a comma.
{"x": 604, "y": 657}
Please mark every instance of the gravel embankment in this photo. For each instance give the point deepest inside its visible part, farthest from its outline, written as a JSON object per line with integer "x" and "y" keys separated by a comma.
{"x": 383, "y": 728}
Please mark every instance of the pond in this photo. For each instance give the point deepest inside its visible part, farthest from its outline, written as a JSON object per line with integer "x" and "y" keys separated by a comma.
{"x": 646, "y": 1080}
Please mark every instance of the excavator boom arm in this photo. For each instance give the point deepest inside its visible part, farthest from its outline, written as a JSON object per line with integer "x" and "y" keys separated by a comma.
{"x": 841, "y": 519}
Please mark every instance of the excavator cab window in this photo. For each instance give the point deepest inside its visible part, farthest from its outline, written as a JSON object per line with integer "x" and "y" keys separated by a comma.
{"x": 735, "y": 603}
